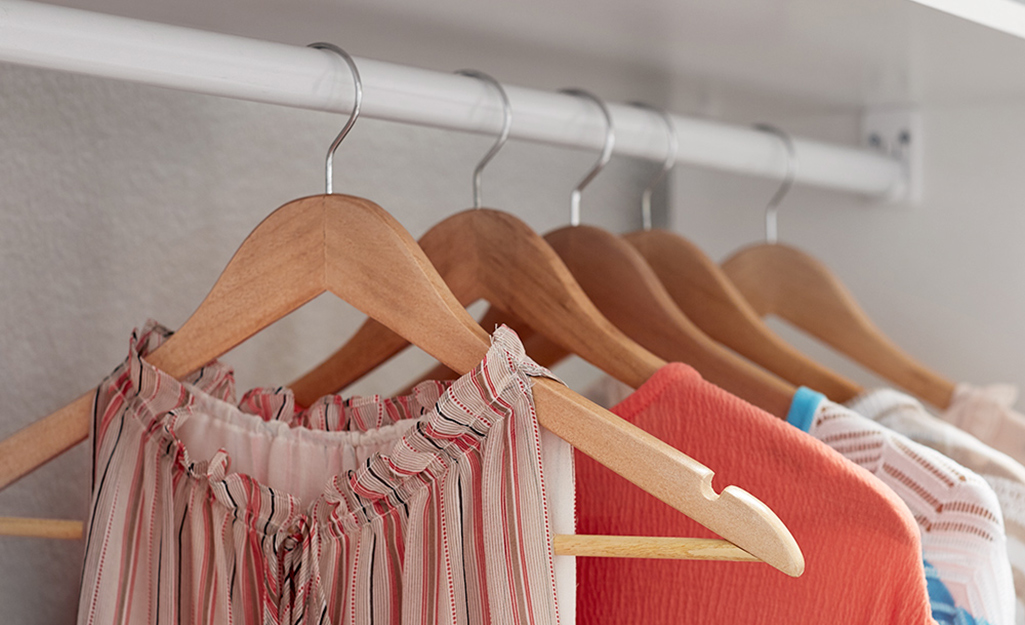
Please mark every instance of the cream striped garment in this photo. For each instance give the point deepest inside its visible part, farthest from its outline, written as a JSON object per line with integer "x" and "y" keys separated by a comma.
{"x": 962, "y": 525}
{"x": 906, "y": 415}
{"x": 423, "y": 509}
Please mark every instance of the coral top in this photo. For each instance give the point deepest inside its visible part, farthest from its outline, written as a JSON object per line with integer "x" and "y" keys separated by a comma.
{"x": 861, "y": 545}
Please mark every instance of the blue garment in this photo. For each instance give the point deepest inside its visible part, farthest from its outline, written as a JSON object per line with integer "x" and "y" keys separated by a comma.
{"x": 803, "y": 407}
{"x": 942, "y": 603}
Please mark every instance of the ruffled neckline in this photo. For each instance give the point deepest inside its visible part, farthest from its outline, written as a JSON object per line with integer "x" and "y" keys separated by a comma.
{"x": 441, "y": 421}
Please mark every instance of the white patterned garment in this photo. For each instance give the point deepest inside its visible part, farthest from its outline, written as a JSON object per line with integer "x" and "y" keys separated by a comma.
{"x": 962, "y": 526}
{"x": 906, "y": 415}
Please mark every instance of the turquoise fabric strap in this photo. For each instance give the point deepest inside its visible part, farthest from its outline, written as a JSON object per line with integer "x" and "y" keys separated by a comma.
{"x": 803, "y": 407}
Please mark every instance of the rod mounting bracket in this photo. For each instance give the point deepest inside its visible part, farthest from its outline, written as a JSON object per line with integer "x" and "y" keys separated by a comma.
{"x": 897, "y": 132}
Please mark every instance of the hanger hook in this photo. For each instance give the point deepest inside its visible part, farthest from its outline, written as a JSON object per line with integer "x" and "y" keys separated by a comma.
{"x": 672, "y": 149}
{"x": 503, "y": 136}
{"x": 606, "y": 152}
{"x": 771, "y": 209}
{"x": 356, "y": 103}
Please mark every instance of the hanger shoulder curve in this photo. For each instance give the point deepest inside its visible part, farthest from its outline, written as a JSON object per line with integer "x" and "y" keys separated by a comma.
{"x": 705, "y": 294}
{"x": 373, "y": 343}
{"x": 493, "y": 318}
{"x": 619, "y": 281}
{"x": 335, "y": 243}
{"x": 781, "y": 280}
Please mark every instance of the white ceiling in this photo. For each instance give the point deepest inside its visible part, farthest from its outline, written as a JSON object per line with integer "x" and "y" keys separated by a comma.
{"x": 826, "y": 54}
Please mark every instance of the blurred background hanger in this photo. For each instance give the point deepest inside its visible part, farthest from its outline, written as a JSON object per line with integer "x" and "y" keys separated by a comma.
{"x": 780, "y": 280}
{"x": 707, "y": 296}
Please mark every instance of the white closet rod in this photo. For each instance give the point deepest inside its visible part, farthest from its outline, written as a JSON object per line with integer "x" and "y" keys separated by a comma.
{"x": 90, "y": 43}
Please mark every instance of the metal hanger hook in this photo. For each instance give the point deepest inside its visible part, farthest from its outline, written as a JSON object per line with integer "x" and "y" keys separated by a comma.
{"x": 606, "y": 152}
{"x": 672, "y": 149}
{"x": 771, "y": 209}
{"x": 478, "y": 172}
{"x": 356, "y": 103}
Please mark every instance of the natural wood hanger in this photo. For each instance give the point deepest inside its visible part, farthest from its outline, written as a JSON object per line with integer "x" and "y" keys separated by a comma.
{"x": 619, "y": 282}
{"x": 351, "y": 247}
{"x": 612, "y": 274}
{"x": 780, "y": 280}
{"x": 617, "y": 279}
{"x": 707, "y": 297}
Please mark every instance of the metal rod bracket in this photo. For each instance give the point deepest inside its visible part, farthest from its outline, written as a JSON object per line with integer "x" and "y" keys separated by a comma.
{"x": 896, "y": 132}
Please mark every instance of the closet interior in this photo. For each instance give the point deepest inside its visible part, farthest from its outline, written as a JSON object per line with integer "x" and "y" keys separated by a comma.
{"x": 636, "y": 251}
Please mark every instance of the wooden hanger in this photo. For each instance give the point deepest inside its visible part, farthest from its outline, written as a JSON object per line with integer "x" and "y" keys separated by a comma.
{"x": 705, "y": 294}
{"x": 780, "y": 280}
{"x": 354, "y": 249}
{"x": 621, "y": 284}
{"x": 617, "y": 279}
{"x": 708, "y": 298}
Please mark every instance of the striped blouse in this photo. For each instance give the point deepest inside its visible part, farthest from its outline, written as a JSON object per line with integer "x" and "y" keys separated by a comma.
{"x": 422, "y": 509}
{"x": 963, "y": 539}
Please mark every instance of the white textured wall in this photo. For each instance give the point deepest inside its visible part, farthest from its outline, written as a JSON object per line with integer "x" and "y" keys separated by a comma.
{"x": 945, "y": 279}
{"x": 122, "y": 202}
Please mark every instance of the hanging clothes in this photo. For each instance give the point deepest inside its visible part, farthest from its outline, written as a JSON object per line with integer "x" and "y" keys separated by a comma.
{"x": 861, "y": 544}
{"x": 906, "y": 415}
{"x": 963, "y": 538}
{"x": 424, "y": 509}
{"x": 987, "y": 413}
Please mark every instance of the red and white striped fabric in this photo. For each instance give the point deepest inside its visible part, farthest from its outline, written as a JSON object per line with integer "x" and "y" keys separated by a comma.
{"x": 424, "y": 509}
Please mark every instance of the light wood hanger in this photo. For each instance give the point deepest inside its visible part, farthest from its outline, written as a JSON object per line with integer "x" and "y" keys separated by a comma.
{"x": 616, "y": 278}
{"x": 611, "y": 273}
{"x": 351, "y": 247}
{"x": 707, "y": 297}
{"x": 627, "y": 291}
{"x": 783, "y": 281}
{"x": 779, "y": 280}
